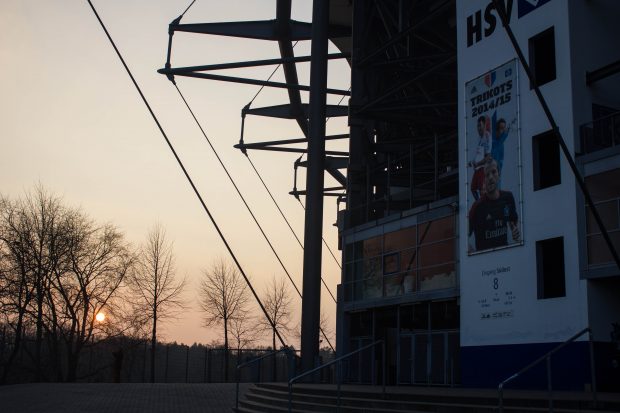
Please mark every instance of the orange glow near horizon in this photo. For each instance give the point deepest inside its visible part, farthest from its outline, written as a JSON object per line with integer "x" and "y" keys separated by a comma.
{"x": 100, "y": 317}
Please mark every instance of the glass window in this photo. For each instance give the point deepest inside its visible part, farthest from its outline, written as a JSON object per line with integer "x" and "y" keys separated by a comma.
{"x": 438, "y": 253}
{"x": 391, "y": 263}
{"x": 394, "y": 284}
{"x": 436, "y": 230}
{"x": 371, "y": 268}
{"x": 608, "y": 212}
{"x": 400, "y": 240}
{"x": 372, "y": 247}
{"x": 409, "y": 259}
{"x": 349, "y": 252}
{"x": 419, "y": 319}
{"x": 437, "y": 277}
{"x": 361, "y": 324}
{"x": 604, "y": 186}
{"x": 444, "y": 315}
{"x": 598, "y": 251}
{"x": 406, "y": 318}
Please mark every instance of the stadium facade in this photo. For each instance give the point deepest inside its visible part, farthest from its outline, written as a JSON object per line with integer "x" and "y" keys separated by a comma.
{"x": 467, "y": 244}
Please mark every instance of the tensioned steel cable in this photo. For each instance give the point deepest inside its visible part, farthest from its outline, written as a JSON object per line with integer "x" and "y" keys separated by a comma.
{"x": 268, "y": 79}
{"x": 271, "y": 195}
{"x": 188, "y": 7}
{"x": 302, "y": 205}
{"x": 189, "y": 179}
{"x": 232, "y": 181}
{"x": 286, "y": 220}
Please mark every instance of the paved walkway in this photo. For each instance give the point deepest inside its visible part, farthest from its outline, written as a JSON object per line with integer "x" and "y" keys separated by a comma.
{"x": 118, "y": 398}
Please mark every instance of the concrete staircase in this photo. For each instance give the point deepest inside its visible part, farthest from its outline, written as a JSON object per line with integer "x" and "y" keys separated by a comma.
{"x": 273, "y": 397}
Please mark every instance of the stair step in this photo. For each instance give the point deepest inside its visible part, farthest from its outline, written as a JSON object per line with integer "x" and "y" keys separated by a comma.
{"x": 273, "y": 397}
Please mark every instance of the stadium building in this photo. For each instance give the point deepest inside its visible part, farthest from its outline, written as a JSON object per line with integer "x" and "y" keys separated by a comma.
{"x": 471, "y": 268}
{"x": 469, "y": 245}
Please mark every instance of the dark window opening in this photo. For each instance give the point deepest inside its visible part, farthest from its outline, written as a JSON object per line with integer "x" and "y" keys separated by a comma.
{"x": 361, "y": 324}
{"x": 550, "y": 268}
{"x": 542, "y": 57}
{"x": 546, "y": 157}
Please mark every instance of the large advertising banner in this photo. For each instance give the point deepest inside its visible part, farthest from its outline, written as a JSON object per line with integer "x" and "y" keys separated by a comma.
{"x": 493, "y": 157}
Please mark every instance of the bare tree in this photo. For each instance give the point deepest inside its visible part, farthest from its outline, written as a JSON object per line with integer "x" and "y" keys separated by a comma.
{"x": 159, "y": 291}
{"x": 97, "y": 263}
{"x": 243, "y": 330}
{"x": 30, "y": 230}
{"x": 57, "y": 270}
{"x": 277, "y": 301}
{"x": 223, "y": 297}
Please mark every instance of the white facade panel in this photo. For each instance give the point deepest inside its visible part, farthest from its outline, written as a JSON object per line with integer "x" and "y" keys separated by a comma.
{"x": 503, "y": 283}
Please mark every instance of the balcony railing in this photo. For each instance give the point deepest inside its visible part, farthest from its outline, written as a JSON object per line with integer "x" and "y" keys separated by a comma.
{"x": 600, "y": 134}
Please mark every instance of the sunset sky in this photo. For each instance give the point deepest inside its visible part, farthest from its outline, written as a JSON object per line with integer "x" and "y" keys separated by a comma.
{"x": 71, "y": 120}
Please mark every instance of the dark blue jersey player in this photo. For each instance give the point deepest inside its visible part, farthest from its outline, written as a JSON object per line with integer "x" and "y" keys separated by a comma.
{"x": 494, "y": 215}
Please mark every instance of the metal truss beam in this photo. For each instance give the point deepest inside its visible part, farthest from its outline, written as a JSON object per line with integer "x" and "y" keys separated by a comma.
{"x": 286, "y": 111}
{"x": 258, "y": 29}
{"x": 326, "y": 191}
{"x": 331, "y": 162}
{"x": 280, "y": 149}
{"x": 255, "y": 145}
{"x": 249, "y": 63}
{"x": 290, "y": 86}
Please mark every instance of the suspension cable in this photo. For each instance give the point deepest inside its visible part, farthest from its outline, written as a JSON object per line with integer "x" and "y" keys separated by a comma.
{"x": 188, "y": 7}
{"x": 232, "y": 181}
{"x": 269, "y": 191}
{"x": 187, "y": 176}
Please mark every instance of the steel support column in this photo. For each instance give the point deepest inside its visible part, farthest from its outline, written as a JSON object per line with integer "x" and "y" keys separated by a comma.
{"x": 311, "y": 304}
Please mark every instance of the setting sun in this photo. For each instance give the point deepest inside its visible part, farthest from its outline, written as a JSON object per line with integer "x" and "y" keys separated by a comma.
{"x": 100, "y": 317}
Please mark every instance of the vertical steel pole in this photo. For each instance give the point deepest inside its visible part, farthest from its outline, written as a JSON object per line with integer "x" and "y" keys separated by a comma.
{"x": 310, "y": 309}
{"x": 549, "y": 385}
{"x": 383, "y": 348}
{"x": 339, "y": 365}
{"x": 592, "y": 370}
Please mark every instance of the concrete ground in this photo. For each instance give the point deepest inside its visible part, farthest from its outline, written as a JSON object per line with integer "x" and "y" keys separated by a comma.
{"x": 118, "y": 398}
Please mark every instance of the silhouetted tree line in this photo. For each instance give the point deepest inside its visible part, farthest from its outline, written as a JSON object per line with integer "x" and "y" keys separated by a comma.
{"x": 79, "y": 302}
{"x": 58, "y": 270}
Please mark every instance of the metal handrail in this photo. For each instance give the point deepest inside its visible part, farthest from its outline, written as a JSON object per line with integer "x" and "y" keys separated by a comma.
{"x": 547, "y": 357}
{"x": 339, "y": 361}
{"x": 256, "y": 360}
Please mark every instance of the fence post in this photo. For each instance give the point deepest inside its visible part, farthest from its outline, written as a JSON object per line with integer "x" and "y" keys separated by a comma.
{"x": 210, "y": 361}
{"x": 144, "y": 362}
{"x": 166, "y": 368}
{"x": 187, "y": 365}
{"x": 3, "y": 344}
{"x": 204, "y": 373}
